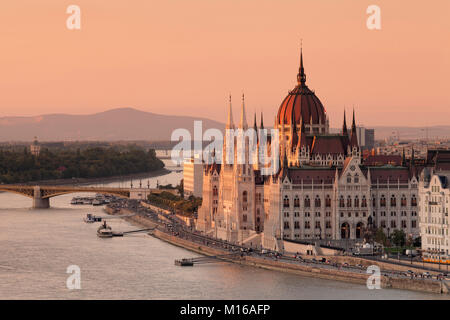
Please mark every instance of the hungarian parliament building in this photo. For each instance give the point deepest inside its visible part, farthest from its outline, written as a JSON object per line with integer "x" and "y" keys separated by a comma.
{"x": 323, "y": 190}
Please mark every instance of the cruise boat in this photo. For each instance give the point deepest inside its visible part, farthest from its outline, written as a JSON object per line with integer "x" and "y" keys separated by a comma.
{"x": 91, "y": 218}
{"x": 76, "y": 200}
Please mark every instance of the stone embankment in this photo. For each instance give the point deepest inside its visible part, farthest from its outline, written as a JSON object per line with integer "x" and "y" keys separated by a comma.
{"x": 282, "y": 266}
{"x": 308, "y": 271}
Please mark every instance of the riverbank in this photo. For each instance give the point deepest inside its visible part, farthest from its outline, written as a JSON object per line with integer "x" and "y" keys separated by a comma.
{"x": 87, "y": 181}
{"x": 204, "y": 247}
{"x": 308, "y": 271}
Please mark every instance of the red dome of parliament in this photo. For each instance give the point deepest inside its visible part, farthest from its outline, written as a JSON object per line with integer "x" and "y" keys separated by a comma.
{"x": 301, "y": 103}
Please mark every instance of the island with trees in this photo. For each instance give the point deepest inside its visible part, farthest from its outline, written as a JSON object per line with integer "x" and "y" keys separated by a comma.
{"x": 21, "y": 166}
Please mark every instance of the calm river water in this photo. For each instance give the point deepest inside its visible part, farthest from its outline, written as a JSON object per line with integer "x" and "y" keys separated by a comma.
{"x": 37, "y": 246}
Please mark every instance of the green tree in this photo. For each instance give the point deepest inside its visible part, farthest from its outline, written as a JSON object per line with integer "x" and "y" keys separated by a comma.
{"x": 398, "y": 238}
{"x": 381, "y": 237}
{"x": 18, "y": 165}
{"x": 417, "y": 242}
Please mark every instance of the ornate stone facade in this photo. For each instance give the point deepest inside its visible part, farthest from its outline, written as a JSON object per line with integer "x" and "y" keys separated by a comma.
{"x": 322, "y": 190}
{"x": 434, "y": 195}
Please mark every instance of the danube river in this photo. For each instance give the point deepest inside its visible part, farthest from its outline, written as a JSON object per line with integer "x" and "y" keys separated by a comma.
{"x": 37, "y": 246}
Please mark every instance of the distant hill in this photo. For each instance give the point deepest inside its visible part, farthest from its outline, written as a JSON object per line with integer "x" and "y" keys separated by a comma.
{"x": 132, "y": 124}
{"x": 111, "y": 125}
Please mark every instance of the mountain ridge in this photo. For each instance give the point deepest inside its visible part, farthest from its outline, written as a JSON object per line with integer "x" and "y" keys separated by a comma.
{"x": 129, "y": 123}
{"x": 110, "y": 125}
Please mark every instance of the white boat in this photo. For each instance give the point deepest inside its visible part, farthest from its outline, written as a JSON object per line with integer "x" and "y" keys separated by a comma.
{"x": 76, "y": 200}
{"x": 91, "y": 219}
{"x": 104, "y": 233}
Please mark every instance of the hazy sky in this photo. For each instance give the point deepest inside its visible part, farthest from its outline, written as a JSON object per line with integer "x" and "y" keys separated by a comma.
{"x": 185, "y": 56}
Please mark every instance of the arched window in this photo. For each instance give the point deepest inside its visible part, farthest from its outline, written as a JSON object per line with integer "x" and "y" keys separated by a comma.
{"x": 307, "y": 202}
{"x": 349, "y": 178}
{"x": 359, "y": 230}
{"x": 317, "y": 202}
{"x": 403, "y": 201}
{"x": 356, "y": 202}
{"x": 327, "y": 201}
{"x": 286, "y": 202}
{"x": 382, "y": 201}
{"x": 244, "y": 200}
{"x": 341, "y": 202}
{"x": 364, "y": 202}
{"x": 413, "y": 201}
{"x": 296, "y": 202}
{"x": 349, "y": 201}
{"x": 356, "y": 179}
{"x": 393, "y": 201}
{"x": 215, "y": 192}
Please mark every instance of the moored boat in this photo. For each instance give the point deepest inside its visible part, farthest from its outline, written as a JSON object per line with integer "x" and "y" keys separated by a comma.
{"x": 91, "y": 218}
{"x": 104, "y": 231}
{"x": 184, "y": 263}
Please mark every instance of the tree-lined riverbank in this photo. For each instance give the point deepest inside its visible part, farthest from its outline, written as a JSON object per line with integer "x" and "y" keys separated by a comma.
{"x": 90, "y": 163}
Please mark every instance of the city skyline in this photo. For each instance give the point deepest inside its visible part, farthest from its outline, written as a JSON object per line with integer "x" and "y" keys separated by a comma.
{"x": 133, "y": 57}
{"x": 224, "y": 155}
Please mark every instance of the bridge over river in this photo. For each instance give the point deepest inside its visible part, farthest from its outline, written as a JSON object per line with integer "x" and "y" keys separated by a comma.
{"x": 41, "y": 194}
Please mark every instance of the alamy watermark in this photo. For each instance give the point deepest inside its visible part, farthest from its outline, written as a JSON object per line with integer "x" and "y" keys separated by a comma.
{"x": 374, "y": 20}
{"x": 374, "y": 280}
{"x": 239, "y": 146}
{"x": 74, "y": 280}
{"x": 73, "y": 22}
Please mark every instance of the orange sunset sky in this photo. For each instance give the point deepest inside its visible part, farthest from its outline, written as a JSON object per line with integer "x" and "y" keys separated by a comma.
{"x": 184, "y": 57}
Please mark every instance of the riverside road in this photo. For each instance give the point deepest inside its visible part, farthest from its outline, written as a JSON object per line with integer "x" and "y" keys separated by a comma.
{"x": 179, "y": 229}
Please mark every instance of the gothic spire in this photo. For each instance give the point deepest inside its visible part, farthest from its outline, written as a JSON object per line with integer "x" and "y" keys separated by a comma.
{"x": 255, "y": 127}
{"x": 302, "y": 139}
{"x": 294, "y": 138}
{"x": 344, "y": 126}
{"x": 230, "y": 124}
{"x": 353, "y": 136}
{"x": 301, "y": 77}
{"x": 262, "y": 124}
{"x": 243, "y": 122}
{"x": 353, "y": 122}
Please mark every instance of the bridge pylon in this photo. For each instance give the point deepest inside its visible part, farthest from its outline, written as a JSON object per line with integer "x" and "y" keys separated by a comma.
{"x": 38, "y": 201}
